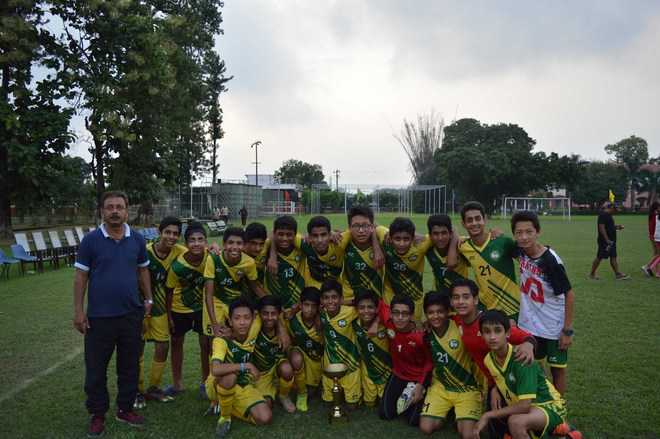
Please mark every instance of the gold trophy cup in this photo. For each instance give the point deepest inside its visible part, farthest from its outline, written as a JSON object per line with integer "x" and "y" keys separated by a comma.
{"x": 336, "y": 371}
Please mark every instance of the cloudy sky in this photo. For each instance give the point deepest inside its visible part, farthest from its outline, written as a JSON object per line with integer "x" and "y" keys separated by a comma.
{"x": 330, "y": 82}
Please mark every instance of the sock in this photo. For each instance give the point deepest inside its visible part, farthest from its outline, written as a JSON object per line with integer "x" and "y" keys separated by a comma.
{"x": 653, "y": 263}
{"x": 141, "y": 376}
{"x": 226, "y": 397}
{"x": 156, "y": 373}
{"x": 300, "y": 379}
{"x": 285, "y": 387}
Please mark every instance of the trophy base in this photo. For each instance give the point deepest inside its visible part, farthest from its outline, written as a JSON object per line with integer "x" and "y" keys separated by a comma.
{"x": 337, "y": 417}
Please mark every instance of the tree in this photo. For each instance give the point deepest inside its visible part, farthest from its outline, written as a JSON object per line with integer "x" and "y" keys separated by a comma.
{"x": 484, "y": 162}
{"x": 33, "y": 126}
{"x": 299, "y": 172}
{"x": 596, "y": 182}
{"x": 215, "y": 81}
{"x": 631, "y": 152}
{"x": 420, "y": 141}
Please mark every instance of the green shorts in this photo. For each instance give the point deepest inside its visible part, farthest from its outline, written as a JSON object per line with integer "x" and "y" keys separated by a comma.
{"x": 548, "y": 350}
{"x": 555, "y": 414}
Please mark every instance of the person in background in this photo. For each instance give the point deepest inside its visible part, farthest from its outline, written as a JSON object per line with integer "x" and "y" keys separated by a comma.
{"x": 607, "y": 242}
{"x": 653, "y": 266}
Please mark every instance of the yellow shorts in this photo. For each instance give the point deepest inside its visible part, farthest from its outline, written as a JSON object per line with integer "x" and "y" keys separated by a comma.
{"x": 221, "y": 315}
{"x": 313, "y": 370}
{"x": 349, "y": 382}
{"x": 438, "y": 402}
{"x": 156, "y": 328}
{"x": 370, "y": 390}
{"x": 266, "y": 385}
{"x": 244, "y": 398}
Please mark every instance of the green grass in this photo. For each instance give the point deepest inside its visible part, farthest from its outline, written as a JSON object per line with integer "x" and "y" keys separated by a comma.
{"x": 613, "y": 364}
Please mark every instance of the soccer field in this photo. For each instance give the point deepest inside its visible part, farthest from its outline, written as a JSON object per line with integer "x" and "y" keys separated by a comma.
{"x": 613, "y": 375}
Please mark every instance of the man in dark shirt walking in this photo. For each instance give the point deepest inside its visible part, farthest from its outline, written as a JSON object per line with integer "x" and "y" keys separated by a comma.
{"x": 607, "y": 242}
{"x": 111, "y": 263}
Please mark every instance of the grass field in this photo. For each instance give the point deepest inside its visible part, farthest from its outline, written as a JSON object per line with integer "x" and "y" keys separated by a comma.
{"x": 613, "y": 378}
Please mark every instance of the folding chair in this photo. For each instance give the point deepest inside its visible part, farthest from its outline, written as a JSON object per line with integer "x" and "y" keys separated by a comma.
{"x": 6, "y": 262}
{"x": 59, "y": 251}
{"x": 80, "y": 233}
{"x": 22, "y": 240}
{"x": 72, "y": 246}
{"x": 18, "y": 252}
{"x": 42, "y": 250}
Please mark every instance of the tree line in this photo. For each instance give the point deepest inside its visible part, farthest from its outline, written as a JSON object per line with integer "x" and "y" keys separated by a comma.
{"x": 143, "y": 75}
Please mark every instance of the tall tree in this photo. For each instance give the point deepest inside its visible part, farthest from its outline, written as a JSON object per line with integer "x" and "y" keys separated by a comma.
{"x": 299, "y": 172}
{"x": 484, "y": 162}
{"x": 215, "y": 81}
{"x": 420, "y": 140}
{"x": 33, "y": 126}
{"x": 596, "y": 182}
{"x": 631, "y": 152}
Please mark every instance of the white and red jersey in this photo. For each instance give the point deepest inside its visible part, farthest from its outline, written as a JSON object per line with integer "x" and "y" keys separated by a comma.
{"x": 543, "y": 284}
{"x": 656, "y": 235}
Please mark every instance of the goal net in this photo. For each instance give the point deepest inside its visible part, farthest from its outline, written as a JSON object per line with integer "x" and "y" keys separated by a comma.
{"x": 554, "y": 206}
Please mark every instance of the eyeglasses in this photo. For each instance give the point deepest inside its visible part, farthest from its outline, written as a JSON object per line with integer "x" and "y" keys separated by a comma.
{"x": 363, "y": 226}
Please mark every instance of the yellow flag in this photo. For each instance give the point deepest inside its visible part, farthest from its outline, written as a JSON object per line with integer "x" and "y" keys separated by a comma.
{"x": 611, "y": 196}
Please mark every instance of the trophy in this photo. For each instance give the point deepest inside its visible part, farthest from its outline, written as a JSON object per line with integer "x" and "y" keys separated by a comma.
{"x": 336, "y": 371}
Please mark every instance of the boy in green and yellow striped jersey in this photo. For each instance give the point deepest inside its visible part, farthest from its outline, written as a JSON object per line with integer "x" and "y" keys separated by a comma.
{"x": 376, "y": 363}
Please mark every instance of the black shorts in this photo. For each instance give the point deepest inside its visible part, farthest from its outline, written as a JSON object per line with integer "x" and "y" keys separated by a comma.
{"x": 184, "y": 322}
{"x": 606, "y": 251}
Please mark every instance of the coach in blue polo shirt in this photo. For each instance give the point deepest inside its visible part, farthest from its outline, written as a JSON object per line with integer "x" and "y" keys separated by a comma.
{"x": 111, "y": 263}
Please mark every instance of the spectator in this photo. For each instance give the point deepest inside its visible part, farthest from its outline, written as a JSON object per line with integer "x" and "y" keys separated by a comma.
{"x": 607, "y": 242}
{"x": 653, "y": 267}
{"x": 244, "y": 215}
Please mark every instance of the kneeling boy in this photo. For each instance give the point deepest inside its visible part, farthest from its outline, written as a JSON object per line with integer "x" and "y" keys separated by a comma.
{"x": 533, "y": 403}
{"x": 233, "y": 374}
{"x": 455, "y": 376}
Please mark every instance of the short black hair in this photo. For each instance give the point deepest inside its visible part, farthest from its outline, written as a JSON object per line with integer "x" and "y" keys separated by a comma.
{"x": 473, "y": 205}
{"x": 194, "y": 227}
{"x": 367, "y": 295}
{"x": 269, "y": 300}
{"x": 360, "y": 211}
{"x": 255, "y": 231}
{"x": 286, "y": 222}
{"x": 241, "y": 302}
{"x": 525, "y": 215}
{"x": 310, "y": 294}
{"x": 318, "y": 221}
{"x": 400, "y": 299}
{"x": 404, "y": 225}
{"x": 330, "y": 285}
{"x": 439, "y": 221}
{"x": 169, "y": 221}
{"x": 474, "y": 288}
{"x": 494, "y": 317}
{"x": 437, "y": 298}
{"x": 233, "y": 231}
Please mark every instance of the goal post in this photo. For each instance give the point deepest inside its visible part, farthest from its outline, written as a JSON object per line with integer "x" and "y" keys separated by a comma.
{"x": 553, "y": 206}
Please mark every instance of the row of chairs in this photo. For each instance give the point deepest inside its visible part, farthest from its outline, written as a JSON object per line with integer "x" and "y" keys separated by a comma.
{"x": 216, "y": 227}
{"x": 37, "y": 251}
{"x": 149, "y": 233}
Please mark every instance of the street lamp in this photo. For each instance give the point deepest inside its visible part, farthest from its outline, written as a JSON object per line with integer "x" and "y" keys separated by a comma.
{"x": 256, "y": 145}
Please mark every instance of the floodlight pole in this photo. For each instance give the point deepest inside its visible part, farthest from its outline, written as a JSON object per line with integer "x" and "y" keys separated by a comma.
{"x": 336, "y": 172}
{"x": 256, "y": 145}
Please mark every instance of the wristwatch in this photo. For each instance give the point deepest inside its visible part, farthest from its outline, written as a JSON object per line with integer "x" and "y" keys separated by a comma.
{"x": 567, "y": 332}
{"x": 149, "y": 301}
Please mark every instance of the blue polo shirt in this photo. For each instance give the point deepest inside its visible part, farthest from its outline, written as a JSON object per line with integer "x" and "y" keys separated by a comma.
{"x": 112, "y": 290}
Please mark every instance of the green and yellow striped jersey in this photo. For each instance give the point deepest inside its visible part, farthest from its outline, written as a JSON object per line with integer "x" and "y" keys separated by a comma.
{"x": 188, "y": 284}
{"x": 452, "y": 365}
{"x": 374, "y": 352}
{"x": 444, "y": 277}
{"x": 158, "y": 270}
{"x": 340, "y": 341}
{"x": 320, "y": 268}
{"x": 229, "y": 280}
{"x": 306, "y": 338}
{"x": 267, "y": 353}
{"x": 359, "y": 273}
{"x": 228, "y": 350}
{"x": 404, "y": 273}
{"x": 289, "y": 281}
{"x": 494, "y": 272}
{"x": 517, "y": 381}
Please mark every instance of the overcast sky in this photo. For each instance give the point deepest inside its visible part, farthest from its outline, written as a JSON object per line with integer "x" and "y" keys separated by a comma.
{"x": 330, "y": 82}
